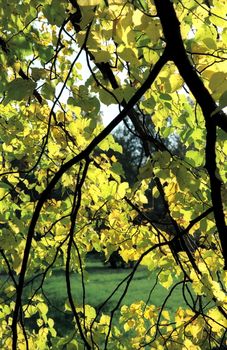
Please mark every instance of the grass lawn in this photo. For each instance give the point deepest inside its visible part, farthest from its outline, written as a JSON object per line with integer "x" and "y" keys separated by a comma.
{"x": 100, "y": 283}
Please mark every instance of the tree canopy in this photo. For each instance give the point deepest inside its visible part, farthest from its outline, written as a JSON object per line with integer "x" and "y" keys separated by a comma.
{"x": 64, "y": 191}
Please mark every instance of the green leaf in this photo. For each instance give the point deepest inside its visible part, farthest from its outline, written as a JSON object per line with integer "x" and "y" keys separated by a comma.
{"x": 55, "y": 13}
{"x": 165, "y": 97}
{"x": 148, "y": 104}
{"x": 106, "y": 98}
{"x": 218, "y": 83}
{"x": 73, "y": 345}
{"x": 48, "y": 91}
{"x": 223, "y": 100}
{"x": 165, "y": 279}
{"x": 145, "y": 172}
{"x": 196, "y": 158}
{"x": 5, "y": 185}
{"x": 118, "y": 169}
{"x": 20, "y": 43}
{"x": 128, "y": 54}
{"x": 45, "y": 52}
{"x": 38, "y": 73}
{"x": 101, "y": 56}
{"x": 210, "y": 43}
{"x": 19, "y": 89}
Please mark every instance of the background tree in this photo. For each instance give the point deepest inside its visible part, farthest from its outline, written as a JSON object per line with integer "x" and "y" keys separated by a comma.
{"x": 63, "y": 190}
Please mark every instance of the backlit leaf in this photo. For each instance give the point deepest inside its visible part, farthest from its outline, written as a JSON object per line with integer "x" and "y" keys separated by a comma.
{"x": 43, "y": 308}
{"x": 88, "y": 2}
{"x": 18, "y": 89}
{"x": 195, "y": 157}
{"x": 121, "y": 190}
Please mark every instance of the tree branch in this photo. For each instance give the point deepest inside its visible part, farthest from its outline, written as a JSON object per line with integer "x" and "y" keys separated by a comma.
{"x": 83, "y": 155}
{"x": 75, "y": 210}
{"x": 177, "y": 52}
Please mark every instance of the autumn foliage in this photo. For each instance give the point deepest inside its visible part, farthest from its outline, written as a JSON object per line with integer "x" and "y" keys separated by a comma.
{"x": 64, "y": 193}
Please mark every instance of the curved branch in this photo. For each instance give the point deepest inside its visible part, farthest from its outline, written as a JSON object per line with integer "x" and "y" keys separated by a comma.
{"x": 83, "y": 155}
{"x": 75, "y": 209}
{"x": 177, "y": 52}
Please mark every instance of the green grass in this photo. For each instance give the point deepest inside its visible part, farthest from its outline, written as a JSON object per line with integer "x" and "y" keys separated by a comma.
{"x": 100, "y": 283}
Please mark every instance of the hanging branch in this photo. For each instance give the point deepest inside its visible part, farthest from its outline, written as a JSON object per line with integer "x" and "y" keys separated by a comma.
{"x": 74, "y": 213}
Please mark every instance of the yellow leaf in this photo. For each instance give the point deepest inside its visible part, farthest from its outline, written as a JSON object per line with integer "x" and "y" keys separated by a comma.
{"x": 114, "y": 217}
{"x": 90, "y": 312}
{"x": 218, "y": 293}
{"x": 73, "y": 345}
{"x": 2, "y": 191}
{"x": 53, "y": 149}
{"x": 176, "y": 82}
{"x": 141, "y": 198}
{"x": 123, "y": 31}
{"x": 88, "y": 2}
{"x": 196, "y": 328}
{"x": 104, "y": 319}
{"x": 166, "y": 279}
{"x": 104, "y": 145}
{"x": 165, "y": 314}
{"x": 121, "y": 190}
{"x": 218, "y": 82}
{"x": 217, "y": 322}
{"x": 126, "y": 255}
{"x": 16, "y": 262}
{"x": 43, "y": 308}
{"x": 67, "y": 179}
{"x": 153, "y": 30}
{"x": 129, "y": 325}
{"x": 101, "y": 56}
{"x": 149, "y": 261}
{"x": 188, "y": 345}
{"x": 138, "y": 19}
{"x": 149, "y": 313}
{"x": 128, "y": 54}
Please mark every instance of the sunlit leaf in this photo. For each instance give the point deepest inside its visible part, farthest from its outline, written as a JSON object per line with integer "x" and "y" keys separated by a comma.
{"x": 43, "y": 308}
{"x": 166, "y": 279}
{"x": 113, "y": 170}
{"x": 195, "y": 157}
{"x": 89, "y": 2}
{"x": 121, "y": 190}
